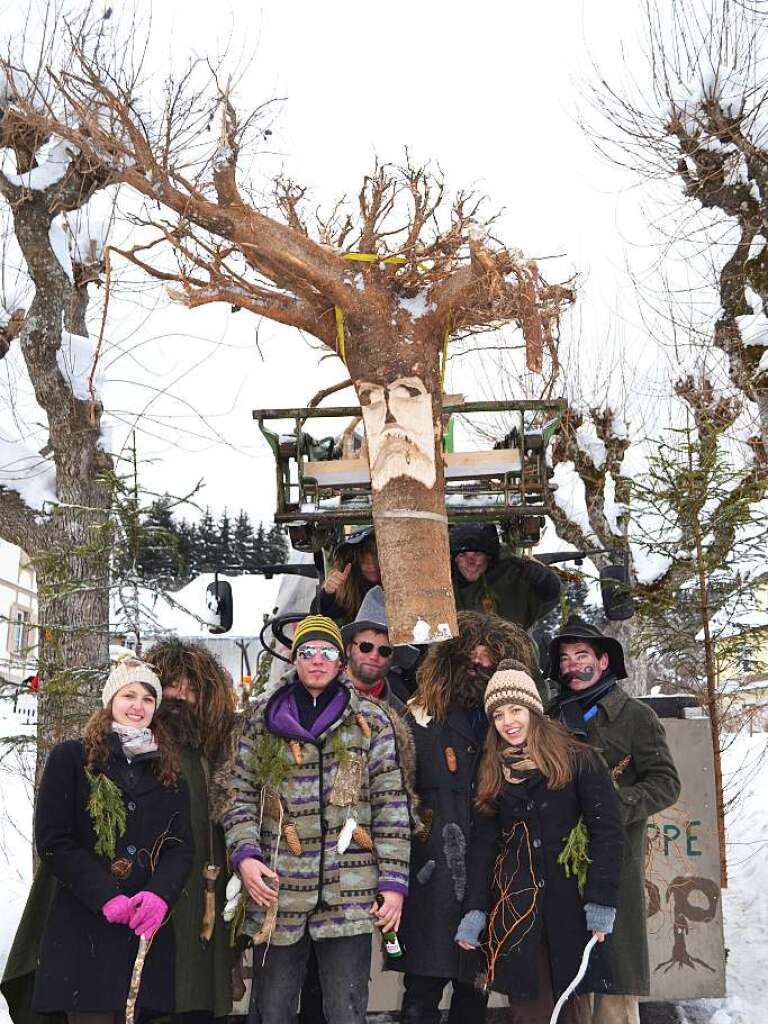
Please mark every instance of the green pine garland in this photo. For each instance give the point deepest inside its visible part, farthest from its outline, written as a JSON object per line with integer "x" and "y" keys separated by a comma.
{"x": 267, "y": 760}
{"x": 107, "y": 811}
{"x": 575, "y": 854}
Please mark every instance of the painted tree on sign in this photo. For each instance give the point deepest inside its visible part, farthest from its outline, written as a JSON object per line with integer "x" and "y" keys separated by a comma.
{"x": 384, "y": 282}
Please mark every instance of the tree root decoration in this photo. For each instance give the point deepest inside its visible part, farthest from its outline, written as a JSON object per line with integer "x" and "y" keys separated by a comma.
{"x": 362, "y": 724}
{"x": 295, "y": 748}
{"x": 451, "y": 761}
{"x": 292, "y": 840}
{"x": 507, "y": 926}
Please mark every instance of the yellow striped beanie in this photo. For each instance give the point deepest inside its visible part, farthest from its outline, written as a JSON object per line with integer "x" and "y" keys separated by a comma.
{"x": 317, "y": 627}
{"x": 511, "y": 684}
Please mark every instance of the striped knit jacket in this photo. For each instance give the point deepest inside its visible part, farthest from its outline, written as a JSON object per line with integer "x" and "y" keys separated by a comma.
{"x": 291, "y": 796}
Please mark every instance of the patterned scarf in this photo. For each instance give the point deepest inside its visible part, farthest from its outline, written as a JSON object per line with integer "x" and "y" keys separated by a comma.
{"x": 134, "y": 741}
{"x": 517, "y": 765}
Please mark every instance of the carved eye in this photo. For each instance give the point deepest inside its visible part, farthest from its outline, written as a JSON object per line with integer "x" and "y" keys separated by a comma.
{"x": 412, "y": 392}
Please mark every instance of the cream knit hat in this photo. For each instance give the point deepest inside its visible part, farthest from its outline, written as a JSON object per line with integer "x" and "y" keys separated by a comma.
{"x": 511, "y": 684}
{"x": 130, "y": 670}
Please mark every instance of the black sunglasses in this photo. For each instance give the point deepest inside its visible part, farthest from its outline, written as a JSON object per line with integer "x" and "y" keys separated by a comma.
{"x": 366, "y": 647}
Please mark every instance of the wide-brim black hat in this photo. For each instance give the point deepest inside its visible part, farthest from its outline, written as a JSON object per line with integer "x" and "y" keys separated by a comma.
{"x": 372, "y": 615}
{"x": 578, "y": 629}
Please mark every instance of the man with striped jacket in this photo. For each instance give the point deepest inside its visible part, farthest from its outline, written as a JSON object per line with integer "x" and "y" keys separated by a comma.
{"x": 318, "y": 829}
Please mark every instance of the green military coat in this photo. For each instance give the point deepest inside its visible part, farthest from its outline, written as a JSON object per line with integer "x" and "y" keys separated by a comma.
{"x": 503, "y": 590}
{"x": 628, "y": 732}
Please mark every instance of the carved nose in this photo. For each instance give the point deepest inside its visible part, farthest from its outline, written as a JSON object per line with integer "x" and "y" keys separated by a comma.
{"x": 389, "y": 418}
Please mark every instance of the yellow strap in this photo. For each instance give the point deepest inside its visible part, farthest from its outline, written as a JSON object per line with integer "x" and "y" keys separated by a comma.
{"x": 341, "y": 348}
{"x": 444, "y": 366}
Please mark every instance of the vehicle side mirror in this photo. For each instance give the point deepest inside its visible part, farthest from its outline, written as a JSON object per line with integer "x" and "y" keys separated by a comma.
{"x": 218, "y": 606}
{"x": 616, "y": 593}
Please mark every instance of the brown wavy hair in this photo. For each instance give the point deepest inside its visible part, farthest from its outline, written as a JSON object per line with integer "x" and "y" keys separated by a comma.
{"x": 439, "y": 673}
{"x": 354, "y": 588}
{"x": 556, "y": 752}
{"x": 96, "y": 742}
{"x": 215, "y": 708}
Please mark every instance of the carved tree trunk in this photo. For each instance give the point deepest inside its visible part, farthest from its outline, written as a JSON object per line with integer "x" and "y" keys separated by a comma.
{"x": 396, "y": 377}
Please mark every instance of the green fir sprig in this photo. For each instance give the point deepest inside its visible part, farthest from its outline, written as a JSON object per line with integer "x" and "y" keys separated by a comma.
{"x": 268, "y": 761}
{"x": 575, "y": 854}
{"x": 107, "y": 811}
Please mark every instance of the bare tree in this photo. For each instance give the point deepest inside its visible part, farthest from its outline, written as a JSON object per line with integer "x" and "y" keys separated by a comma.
{"x": 383, "y": 282}
{"x": 54, "y": 502}
{"x": 700, "y": 121}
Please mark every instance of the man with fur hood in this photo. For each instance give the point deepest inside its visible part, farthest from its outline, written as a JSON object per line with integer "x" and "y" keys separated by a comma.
{"x": 318, "y": 829}
{"x": 198, "y": 707}
{"x": 521, "y": 590}
{"x": 587, "y": 667}
{"x": 448, "y": 724}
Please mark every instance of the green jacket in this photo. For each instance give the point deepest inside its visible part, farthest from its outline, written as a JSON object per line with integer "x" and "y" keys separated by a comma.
{"x": 202, "y": 974}
{"x": 626, "y": 728}
{"x": 503, "y": 590}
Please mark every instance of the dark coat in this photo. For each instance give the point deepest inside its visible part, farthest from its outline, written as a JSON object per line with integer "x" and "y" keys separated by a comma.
{"x": 436, "y": 894}
{"x": 84, "y": 963}
{"x": 506, "y": 590}
{"x": 203, "y": 972}
{"x": 626, "y": 728}
{"x": 518, "y": 848}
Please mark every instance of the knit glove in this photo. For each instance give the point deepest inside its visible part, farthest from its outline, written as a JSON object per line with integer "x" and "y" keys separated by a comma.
{"x": 599, "y": 918}
{"x": 147, "y": 913}
{"x": 117, "y": 910}
{"x": 470, "y": 927}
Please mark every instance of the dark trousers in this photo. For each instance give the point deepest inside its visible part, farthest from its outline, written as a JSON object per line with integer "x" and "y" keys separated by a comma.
{"x": 422, "y": 1000}
{"x": 343, "y": 965}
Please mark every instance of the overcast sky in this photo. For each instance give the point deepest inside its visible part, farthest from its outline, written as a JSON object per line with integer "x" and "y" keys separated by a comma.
{"x": 491, "y": 91}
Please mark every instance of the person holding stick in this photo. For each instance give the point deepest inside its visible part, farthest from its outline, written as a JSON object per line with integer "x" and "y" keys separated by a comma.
{"x": 112, "y": 827}
{"x": 544, "y": 860}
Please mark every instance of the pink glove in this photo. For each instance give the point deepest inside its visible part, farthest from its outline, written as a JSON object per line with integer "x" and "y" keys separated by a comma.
{"x": 117, "y": 910}
{"x": 147, "y": 913}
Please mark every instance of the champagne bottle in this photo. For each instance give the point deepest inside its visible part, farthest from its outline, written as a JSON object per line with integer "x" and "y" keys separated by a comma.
{"x": 390, "y": 941}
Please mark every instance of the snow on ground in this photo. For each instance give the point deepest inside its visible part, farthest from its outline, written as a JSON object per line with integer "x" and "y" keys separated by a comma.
{"x": 745, "y": 902}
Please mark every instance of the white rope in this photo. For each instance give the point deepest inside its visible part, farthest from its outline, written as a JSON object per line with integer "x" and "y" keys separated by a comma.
{"x": 576, "y": 981}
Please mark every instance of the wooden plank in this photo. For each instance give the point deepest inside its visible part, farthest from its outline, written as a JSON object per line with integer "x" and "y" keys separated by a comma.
{"x": 458, "y": 465}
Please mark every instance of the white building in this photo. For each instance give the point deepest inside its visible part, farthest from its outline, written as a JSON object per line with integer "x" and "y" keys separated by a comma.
{"x": 18, "y": 615}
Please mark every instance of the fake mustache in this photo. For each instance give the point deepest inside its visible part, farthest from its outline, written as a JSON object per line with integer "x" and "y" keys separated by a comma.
{"x": 583, "y": 677}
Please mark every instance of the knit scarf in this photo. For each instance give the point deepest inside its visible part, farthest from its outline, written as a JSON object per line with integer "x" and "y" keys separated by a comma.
{"x": 572, "y": 707}
{"x": 517, "y": 765}
{"x": 133, "y": 740}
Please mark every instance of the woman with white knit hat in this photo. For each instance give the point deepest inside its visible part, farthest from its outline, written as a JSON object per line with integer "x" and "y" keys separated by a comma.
{"x": 112, "y": 828}
{"x": 544, "y": 859}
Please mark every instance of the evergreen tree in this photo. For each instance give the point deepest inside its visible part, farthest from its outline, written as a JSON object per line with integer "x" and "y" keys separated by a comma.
{"x": 189, "y": 560}
{"x": 258, "y": 554}
{"x": 208, "y": 547}
{"x": 276, "y": 548}
{"x": 226, "y": 560}
{"x": 242, "y": 542}
{"x": 158, "y": 550}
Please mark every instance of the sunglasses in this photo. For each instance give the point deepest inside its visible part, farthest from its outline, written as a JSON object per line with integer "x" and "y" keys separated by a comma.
{"x": 366, "y": 647}
{"x": 329, "y": 653}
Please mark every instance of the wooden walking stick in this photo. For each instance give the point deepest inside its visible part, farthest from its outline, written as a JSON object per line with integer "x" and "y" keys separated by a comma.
{"x": 133, "y": 988}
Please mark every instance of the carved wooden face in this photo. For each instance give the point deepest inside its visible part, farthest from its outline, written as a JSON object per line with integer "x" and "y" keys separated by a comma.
{"x": 399, "y": 430}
